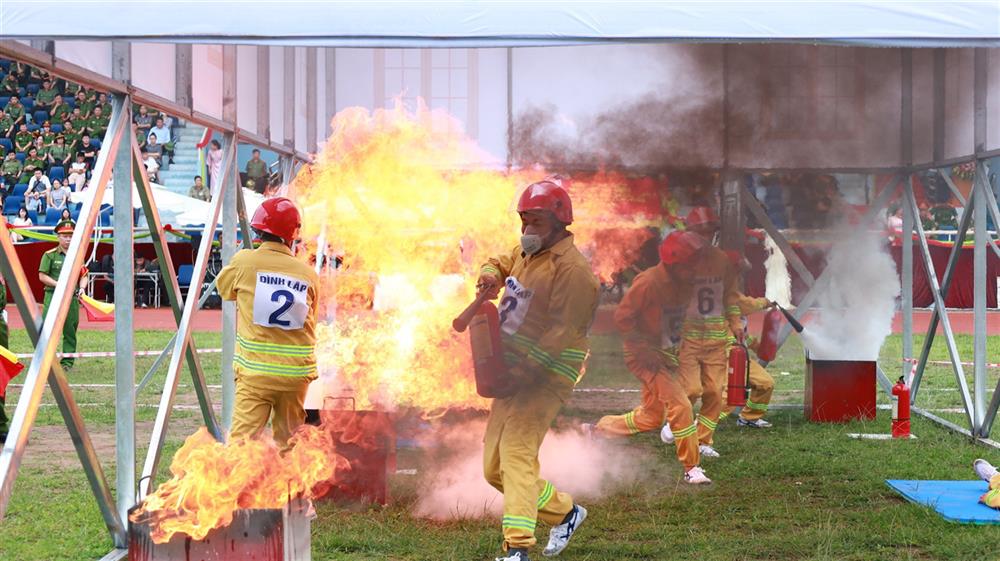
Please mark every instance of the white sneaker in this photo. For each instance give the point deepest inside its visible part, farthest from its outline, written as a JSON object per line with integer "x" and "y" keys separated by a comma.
{"x": 756, "y": 424}
{"x": 984, "y": 469}
{"x": 707, "y": 451}
{"x": 696, "y": 476}
{"x": 667, "y": 435}
{"x": 514, "y": 555}
{"x": 559, "y": 535}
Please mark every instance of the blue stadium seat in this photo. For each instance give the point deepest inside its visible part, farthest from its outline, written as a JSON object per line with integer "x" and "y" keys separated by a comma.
{"x": 12, "y": 203}
{"x": 32, "y": 127}
{"x": 28, "y": 103}
{"x": 20, "y": 93}
{"x": 75, "y": 213}
{"x": 51, "y": 216}
{"x": 5, "y": 64}
{"x": 96, "y": 142}
{"x": 7, "y": 144}
{"x": 19, "y": 156}
{"x": 57, "y": 128}
{"x": 33, "y": 88}
{"x": 4, "y": 100}
{"x": 20, "y": 189}
{"x": 184, "y": 274}
{"x": 33, "y": 215}
{"x": 107, "y": 217}
{"x": 41, "y": 116}
{"x": 71, "y": 102}
{"x": 57, "y": 172}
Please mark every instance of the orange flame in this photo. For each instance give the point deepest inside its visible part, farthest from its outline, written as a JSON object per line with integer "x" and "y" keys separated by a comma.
{"x": 211, "y": 480}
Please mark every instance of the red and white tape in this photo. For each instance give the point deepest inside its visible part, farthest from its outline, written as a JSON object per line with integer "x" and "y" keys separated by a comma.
{"x": 110, "y": 354}
{"x": 948, "y": 363}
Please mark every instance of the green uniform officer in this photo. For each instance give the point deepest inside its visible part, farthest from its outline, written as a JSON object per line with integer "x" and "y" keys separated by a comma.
{"x": 4, "y": 342}
{"x": 48, "y": 273}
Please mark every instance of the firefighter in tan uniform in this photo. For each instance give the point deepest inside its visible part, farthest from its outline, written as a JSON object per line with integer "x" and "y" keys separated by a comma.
{"x": 988, "y": 473}
{"x": 548, "y": 304}
{"x": 276, "y": 302}
{"x": 761, "y": 383}
{"x": 711, "y": 321}
{"x": 649, "y": 318}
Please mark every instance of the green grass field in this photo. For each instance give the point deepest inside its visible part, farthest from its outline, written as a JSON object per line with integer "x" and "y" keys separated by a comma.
{"x": 798, "y": 491}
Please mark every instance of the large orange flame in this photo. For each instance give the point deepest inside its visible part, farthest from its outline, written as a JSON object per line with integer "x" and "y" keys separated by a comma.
{"x": 211, "y": 480}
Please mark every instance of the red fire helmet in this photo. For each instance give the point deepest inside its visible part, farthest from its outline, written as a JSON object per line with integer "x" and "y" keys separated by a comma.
{"x": 701, "y": 216}
{"x": 680, "y": 247}
{"x": 277, "y": 216}
{"x": 546, "y": 195}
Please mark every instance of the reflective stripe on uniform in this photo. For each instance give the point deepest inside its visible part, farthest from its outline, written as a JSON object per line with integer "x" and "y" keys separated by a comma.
{"x": 546, "y": 494}
{"x": 274, "y": 348}
{"x": 686, "y": 432}
{"x": 707, "y": 422}
{"x": 756, "y": 406}
{"x": 523, "y": 522}
{"x": 274, "y": 369}
{"x": 543, "y": 359}
{"x": 630, "y": 423}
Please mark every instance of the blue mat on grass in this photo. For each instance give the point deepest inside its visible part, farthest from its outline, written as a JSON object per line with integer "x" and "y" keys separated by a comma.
{"x": 955, "y": 501}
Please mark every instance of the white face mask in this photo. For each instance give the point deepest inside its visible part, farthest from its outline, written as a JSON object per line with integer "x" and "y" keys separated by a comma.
{"x": 531, "y": 243}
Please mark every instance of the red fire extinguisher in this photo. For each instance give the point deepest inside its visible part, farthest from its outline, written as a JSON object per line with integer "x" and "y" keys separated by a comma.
{"x": 483, "y": 321}
{"x": 900, "y": 410}
{"x": 768, "y": 347}
{"x": 738, "y": 388}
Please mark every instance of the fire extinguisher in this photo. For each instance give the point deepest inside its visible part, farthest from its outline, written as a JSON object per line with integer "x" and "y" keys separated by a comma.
{"x": 739, "y": 376}
{"x": 768, "y": 347}
{"x": 900, "y": 410}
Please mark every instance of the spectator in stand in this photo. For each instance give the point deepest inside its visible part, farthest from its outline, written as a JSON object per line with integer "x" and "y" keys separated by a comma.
{"x": 45, "y": 96}
{"x": 257, "y": 172}
{"x": 83, "y": 105}
{"x": 45, "y": 132}
{"x": 104, "y": 104}
{"x": 59, "y": 196}
{"x": 89, "y": 151}
{"x": 72, "y": 136}
{"x": 140, "y": 137}
{"x": 23, "y": 138}
{"x": 42, "y": 150}
{"x": 154, "y": 156}
{"x": 11, "y": 170}
{"x": 163, "y": 137}
{"x": 144, "y": 287}
{"x": 78, "y": 172}
{"x": 15, "y": 110}
{"x": 7, "y": 127}
{"x": 143, "y": 120}
{"x": 198, "y": 190}
{"x": 895, "y": 221}
{"x": 213, "y": 161}
{"x": 59, "y": 111}
{"x": 80, "y": 122}
{"x": 65, "y": 215}
{"x": 71, "y": 89}
{"x": 32, "y": 163}
{"x": 9, "y": 85}
{"x": 37, "y": 195}
{"x": 22, "y": 220}
{"x": 98, "y": 124}
{"x": 59, "y": 154}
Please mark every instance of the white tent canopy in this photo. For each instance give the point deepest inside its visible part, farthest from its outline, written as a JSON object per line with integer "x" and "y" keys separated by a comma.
{"x": 506, "y": 23}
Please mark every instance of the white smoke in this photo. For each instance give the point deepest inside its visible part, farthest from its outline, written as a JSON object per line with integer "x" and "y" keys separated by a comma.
{"x": 857, "y": 307}
{"x": 455, "y": 489}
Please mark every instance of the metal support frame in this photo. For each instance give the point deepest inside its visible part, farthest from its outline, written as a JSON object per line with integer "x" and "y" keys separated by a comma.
{"x": 183, "y": 341}
{"x": 288, "y": 131}
{"x": 906, "y": 279}
{"x": 231, "y": 179}
{"x": 43, "y": 363}
{"x": 956, "y": 359}
{"x": 311, "y": 117}
{"x": 753, "y": 206}
{"x": 124, "y": 256}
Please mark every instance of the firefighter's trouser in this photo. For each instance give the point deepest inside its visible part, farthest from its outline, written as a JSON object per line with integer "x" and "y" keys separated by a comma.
{"x": 514, "y": 433}
{"x": 702, "y": 370}
{"x": 69, "y": 328}
{"x": 664, "y": 397}
{"x": 992, "y": 497}
{"x": 255, "y": 405}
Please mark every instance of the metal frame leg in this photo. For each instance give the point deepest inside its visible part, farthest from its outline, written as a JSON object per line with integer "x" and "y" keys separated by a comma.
{"x": 47, "y": 337}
